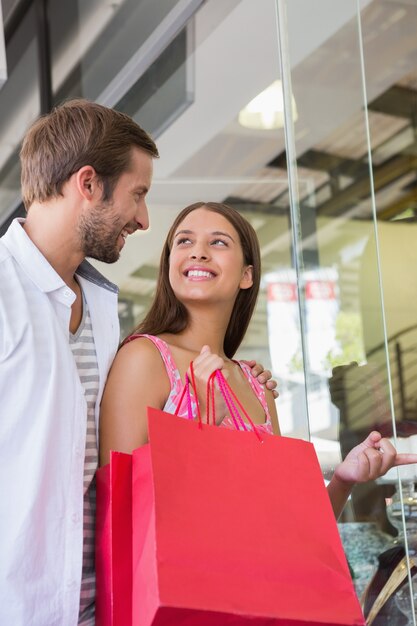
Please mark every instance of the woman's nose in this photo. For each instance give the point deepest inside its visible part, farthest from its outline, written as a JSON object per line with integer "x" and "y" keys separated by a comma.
{"x": 199, "y": 255}
{"x": 199, "y": 251}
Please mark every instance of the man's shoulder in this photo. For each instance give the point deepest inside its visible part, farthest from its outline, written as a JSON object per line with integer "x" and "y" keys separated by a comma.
{"x": 4, "y": 252}
{"x": 8, "y": 268}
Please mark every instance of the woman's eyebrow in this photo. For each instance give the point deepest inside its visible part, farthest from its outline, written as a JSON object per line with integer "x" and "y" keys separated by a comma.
{"x": 222, "y": 234}
{"x": 215, "y": 233}
{"x": 183, "y": 232}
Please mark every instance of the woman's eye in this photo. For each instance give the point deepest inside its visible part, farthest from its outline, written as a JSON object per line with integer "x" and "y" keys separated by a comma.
{"x": 219, "y": 242}
{"x": 183, "y": 240}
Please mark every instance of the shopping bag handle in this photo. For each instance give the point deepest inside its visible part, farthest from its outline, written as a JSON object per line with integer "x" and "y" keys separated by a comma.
{"x": 186, "y": 390}
{"x": 233, "y": 404}
{"x": 236, "y": 409}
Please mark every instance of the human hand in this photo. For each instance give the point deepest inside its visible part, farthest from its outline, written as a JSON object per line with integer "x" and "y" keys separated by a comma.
{"x": 204, "y": 365}
{"x": 371, "y": 459}
{"x": 263, "y": 376}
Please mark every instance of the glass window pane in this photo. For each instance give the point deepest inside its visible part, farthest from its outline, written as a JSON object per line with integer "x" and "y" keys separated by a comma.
{"x": 358, "y": 353}
{"x": 19, "y": 107}
{"x": 209, "y": 151}
{"x": 97, "y": 48}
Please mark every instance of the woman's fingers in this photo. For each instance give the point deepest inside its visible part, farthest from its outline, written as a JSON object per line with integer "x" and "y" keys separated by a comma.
{"x": 263, "y": 376}
{"x": 374, "y": 463}
{"x": 206, "y": 363}
{"x": 383, "y": 456}
{"x": 203, "y": 366}
{"x": 405, "y": 459}
{"x": 371, "y": 459}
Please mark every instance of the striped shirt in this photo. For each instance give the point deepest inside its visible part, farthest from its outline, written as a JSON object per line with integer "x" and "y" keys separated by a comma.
{"x": 83, "y": 349}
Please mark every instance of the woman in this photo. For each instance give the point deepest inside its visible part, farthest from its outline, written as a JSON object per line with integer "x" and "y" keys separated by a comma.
{"x": 206, "y": 293}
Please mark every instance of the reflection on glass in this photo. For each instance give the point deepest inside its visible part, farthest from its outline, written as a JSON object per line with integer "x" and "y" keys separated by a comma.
{"x": 93, "y": 41}
{"x": 206, "y": 154}
{"x": 19, "y": 107}
{"x": 371, "y": 355}
{"x": 404, "y": 602}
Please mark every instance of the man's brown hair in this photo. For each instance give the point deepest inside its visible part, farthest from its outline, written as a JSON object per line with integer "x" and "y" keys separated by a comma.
{"x": 74, "y": 134}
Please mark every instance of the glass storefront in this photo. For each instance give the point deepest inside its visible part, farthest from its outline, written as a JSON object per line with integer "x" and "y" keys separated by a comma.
{"x": 302, "y": 116}
{"x": 350, "y": 156}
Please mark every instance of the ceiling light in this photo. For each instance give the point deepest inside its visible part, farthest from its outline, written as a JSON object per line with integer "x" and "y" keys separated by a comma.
{"x": 266, "y": 111}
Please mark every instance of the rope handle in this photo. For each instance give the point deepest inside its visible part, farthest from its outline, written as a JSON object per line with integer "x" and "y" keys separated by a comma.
{"x": 235, "y": 407}
{"x": 234, "y": 404}
{"x": 186, "y": 390}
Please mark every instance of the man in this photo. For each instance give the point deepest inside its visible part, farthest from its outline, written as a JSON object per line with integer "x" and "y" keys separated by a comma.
{"x": 86, "y": 170}
{"x": 85, "y": 174}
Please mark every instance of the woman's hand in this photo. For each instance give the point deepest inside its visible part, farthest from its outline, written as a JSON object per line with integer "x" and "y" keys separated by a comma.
{"x": 204, "y": 365}
{"x": 263, "y": 376}
{"x": 371, "y": 459}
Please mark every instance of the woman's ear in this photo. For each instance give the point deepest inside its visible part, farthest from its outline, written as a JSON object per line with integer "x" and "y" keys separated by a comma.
{"x": 247, "y": 277}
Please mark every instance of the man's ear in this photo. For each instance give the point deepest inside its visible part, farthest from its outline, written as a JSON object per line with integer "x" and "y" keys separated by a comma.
{"x": 247, "y": 277}
{"x": 88, "y": 184}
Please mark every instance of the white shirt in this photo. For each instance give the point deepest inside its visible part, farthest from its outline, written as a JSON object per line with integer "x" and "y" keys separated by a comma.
{"x": 43, "y": 416}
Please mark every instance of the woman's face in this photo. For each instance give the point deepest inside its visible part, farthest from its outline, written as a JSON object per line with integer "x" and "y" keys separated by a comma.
{"x": 206, "y": 260}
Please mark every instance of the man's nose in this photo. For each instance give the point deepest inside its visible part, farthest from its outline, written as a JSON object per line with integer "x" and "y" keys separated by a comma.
{"x": 142, "y": 217}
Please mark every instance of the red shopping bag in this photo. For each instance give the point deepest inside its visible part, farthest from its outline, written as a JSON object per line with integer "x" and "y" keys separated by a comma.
{"x": 114, "y": 542}
{"x": 231, "y": 530}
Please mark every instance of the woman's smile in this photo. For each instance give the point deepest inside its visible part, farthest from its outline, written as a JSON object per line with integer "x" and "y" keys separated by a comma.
{"x": 199, "y": 273}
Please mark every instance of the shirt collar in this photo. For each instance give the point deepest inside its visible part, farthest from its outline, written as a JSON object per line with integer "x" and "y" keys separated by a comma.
{"x": 30, "y": 258}
{"x": 35, "y": 265}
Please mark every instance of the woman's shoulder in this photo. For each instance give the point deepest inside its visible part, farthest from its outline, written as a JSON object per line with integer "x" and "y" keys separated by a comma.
{"x": 150, "y": 340}
{"x": 149, "y": 352}
{"x": 140, "y": 350}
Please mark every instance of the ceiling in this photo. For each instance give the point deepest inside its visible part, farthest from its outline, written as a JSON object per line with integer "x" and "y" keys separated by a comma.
{"x": 206, "y": 154}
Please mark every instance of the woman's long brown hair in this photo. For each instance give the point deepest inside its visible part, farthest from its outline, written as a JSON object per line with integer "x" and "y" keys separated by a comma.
{"x": 168, "y": 315}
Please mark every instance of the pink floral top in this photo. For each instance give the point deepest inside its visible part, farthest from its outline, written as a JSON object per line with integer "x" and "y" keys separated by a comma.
{"x": 177, "y": 387}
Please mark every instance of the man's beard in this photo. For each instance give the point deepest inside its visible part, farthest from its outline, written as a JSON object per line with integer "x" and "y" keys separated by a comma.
{"x": 99, "y": 233}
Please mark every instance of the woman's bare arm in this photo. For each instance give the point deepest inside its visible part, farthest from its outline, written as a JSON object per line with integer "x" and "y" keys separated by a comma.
{"x": 137, "y": 379}
{"x": 269, "y": 394}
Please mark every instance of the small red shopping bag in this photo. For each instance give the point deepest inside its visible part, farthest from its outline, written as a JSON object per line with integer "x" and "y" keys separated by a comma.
{"x": 114, "y": 542}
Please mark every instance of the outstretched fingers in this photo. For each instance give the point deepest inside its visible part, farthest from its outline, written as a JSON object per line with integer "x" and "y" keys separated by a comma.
{"x": 390, "y": 456}
{"x": 405, "y": 459}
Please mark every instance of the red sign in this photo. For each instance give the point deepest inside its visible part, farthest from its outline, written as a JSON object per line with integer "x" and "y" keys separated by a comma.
{"x": 282, "y": 292}
{"x": 320, "y": 290}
